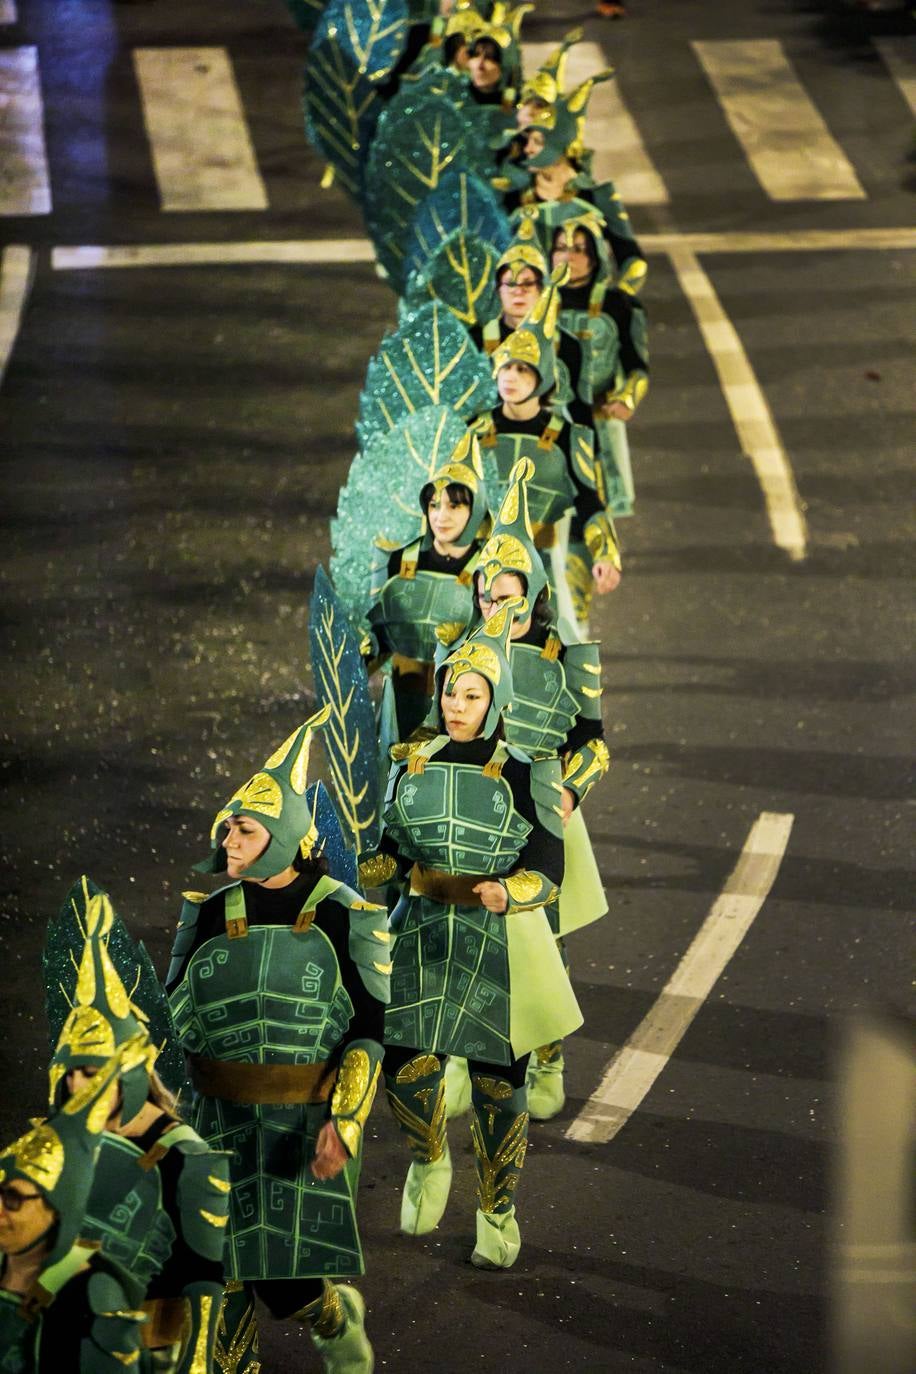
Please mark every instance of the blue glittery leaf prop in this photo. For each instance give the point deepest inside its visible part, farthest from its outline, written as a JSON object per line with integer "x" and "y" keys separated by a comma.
{"x": 349, "y": 735}
{"x": 460, "y": 274}
{"x": 422, "y": 137}
{"x": 460, "y": 201}
{"x": 379, "y": 505}
{"x": 306, "y": 12}
{"x": 62, "y": 952}
{"x": 341, "y": 861}
{"x": 429, "y": 360}
{"x": 356, "y": 45}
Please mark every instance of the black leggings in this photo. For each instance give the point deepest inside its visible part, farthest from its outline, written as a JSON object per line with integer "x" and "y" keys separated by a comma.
{"x": 283, "y": 1297}
{"x": 396, "y": 1056}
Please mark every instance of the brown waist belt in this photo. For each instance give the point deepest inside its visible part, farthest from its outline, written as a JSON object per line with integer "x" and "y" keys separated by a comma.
{"x": 545, "y": 536}
{"x": 268, "y": 1083}
{"x": 452, "y": 888}
{"x": 414, "y": 674}
{"x": 166, "y": 1324}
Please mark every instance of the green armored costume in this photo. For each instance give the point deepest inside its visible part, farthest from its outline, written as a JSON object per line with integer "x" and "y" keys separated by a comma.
{"x": 80, "y": 1314}
{"x": 159, "y": 1201}
{"x": 469, "y": 979}
{"x": 278, "y": 994}
{"x": 567, "y": 479}
{"x": 424, "y": 597}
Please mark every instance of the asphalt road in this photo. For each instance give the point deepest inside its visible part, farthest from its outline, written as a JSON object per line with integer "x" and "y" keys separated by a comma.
{"x": 173, "y": 443}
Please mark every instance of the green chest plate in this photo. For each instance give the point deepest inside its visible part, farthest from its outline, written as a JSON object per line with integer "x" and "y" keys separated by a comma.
{"x": 452, "y": 816}
{"x": 550, "y": 490}
{"x": 125, "y": 1210}
{"x": 410, "y": 608}
{"x": 272, "y": 997}
{"x": 17, "y": 1338}
{"x": 600, "y": 342}
{"x": 543, "y": 708}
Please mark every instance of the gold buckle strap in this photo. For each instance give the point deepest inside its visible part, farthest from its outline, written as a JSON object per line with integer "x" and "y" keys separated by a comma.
{"x": 453, "y": 889}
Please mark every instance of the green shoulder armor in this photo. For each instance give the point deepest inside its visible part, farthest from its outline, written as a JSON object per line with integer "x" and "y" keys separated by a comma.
{"x": 114, "y": 1339}
{"x": 187, "y": 927}
{"x": 203, "y": 1191}
{"x": 546, "y": 789}
{"x": 582, "y": 665}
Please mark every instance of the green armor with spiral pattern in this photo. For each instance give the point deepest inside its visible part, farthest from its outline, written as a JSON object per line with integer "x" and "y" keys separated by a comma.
{"x": 413, "y": 603}
{"x": 551, "y": 491}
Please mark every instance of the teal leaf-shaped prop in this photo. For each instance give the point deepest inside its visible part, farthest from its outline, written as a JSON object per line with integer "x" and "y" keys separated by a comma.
{"x": 460, "y": 274}
{"x": 460, "y": 201}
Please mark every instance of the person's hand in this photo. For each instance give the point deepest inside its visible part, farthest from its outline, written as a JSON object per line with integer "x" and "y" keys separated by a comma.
{"x": 493, "y": 896}
{"x": 567, "y": 803}
{"x": 617, "y": 410}
{"x": 330, "y": 1154}
{"x": 605, "y": 576}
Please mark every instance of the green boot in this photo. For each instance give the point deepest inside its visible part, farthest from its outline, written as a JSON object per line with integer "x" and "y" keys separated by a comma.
{"x": 416, "y": 1094}
{"x": 499, "y": 1129}
{"x": 498, "y": 1240}
{"x": 457, "y": 1087}
{"x": 546, "y": 1095}
{"x": 347, "y": 1351}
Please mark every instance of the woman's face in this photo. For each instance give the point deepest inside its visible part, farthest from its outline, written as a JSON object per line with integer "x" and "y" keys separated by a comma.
{"x": 518, "y": 297}
{"x": 516, "y": 383}
{"x": 505, "y": 586}
{"x": 483, "y": 69}
{"x": 25, "y": 1216}
{"x": 534, "y": 142}
{"x": 84, "y": 1073}
{"x": 245, "y": 841}
{"x": 575, "y": 253}
{"x": 448, "y": 519}
{"x": 464, "y": 710}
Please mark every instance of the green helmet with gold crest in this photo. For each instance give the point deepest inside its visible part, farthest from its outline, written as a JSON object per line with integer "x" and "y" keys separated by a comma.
{"x": 463, "y": 468}
{"x": 510, "y": 547}
{"x": 534, "y": 341}
{"x": 502, "y": 28}
{"x": 524, "y": 251}
{"x": 57, "y": 1156}
{"x": 485, "y": 652}
{"x": 275, "y": 796}
{"x": 560, "y": 118}
{"x": 102, "y": 1016}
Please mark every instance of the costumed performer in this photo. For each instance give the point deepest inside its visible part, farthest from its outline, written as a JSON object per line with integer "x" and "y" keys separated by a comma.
{"x": 278, "y": 985}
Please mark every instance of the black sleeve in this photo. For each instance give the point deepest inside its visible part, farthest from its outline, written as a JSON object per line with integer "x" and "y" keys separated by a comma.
{"x": 368, "y": 1020}
{"x": 543, "y": 852}
{"x": 582, "y": 731}
{"x": 183, "y": 1265}
{"x": 620, "y": 307}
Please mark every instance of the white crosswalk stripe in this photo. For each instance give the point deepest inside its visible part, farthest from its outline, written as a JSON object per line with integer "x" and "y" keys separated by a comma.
{"x": 24, "y": 185}
{"x": 620, "y": 154}
{"x": 201, "y": 148}
{"x": 899, "y": 56}
{"x": 8, "y": 13}
{"x": 783, "y": 135}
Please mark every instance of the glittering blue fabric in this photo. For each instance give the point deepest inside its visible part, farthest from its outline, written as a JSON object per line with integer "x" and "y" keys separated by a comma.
{"x": 342, "y": 863}
{"x": 460, "y": 274}
{"x": 354, "y": 48}
{"x": 380, "y": 501}
{"x": 429, "y": 360}
{"x": 460, "y": 201}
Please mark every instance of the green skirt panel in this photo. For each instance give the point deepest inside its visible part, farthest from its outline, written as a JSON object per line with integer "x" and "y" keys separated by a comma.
{"x": 582, "y": 896}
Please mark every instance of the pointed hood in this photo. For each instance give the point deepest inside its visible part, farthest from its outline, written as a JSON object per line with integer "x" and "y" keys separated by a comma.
{"x": 534, "y": 342}
{"x": 503, "y": 28}
{"x": 275, "y": 796}
{"x": 485, "y": 651}
{"x": 525, "y": 251}
{"x": 510, "y": 547}
{"x": 58, "y": 1156}
{"x": 547, "y": 84}
{"x": 570, "y": 215}
{"x": 102, "y": 1016}
{"x": 561, "y": 120}
{"x": 464, "y": 466}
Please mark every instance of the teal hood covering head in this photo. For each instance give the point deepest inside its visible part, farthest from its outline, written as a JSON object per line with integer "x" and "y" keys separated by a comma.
{"x": 570, "y": 215}
{"x": 275, "y": 796}
{"x": 560, "y": 118}
{"x": 524, "y": 251}
{"x": 534, "y": 341}
{"x": 58, "y": 1156}
{"x": 510, "y": 547}
{"x": 464, "y": 467}
{"x": 102, "y": 1016}
{"x": 485, "y": 651}
{"x": 503, "y": 27}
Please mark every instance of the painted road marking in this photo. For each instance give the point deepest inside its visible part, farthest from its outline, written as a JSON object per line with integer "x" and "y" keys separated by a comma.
{"x": 751, "y": 415}
{"x": 620, "y": 154}
{"x": 297, "y": 251}
{"x": 17, "y": 270}
{"x": 634, "y": 1069}
{"x": 24, "y": 185}
{"x": 899, "y": 56}
{"x": 201, "y": 148}
{"x": 785, "y": 139}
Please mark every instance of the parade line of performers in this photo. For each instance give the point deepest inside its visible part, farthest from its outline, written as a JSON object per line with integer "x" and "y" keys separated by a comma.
{"x": 204, "y": 1138}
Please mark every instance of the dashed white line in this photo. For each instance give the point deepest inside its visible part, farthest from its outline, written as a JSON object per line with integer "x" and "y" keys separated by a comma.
{"x": 17, "y": 270}
{"x": 8, "y": 13}
{"x": 634, "y": 1069}
{"x": 751, "y": 415}
{"x": 899, "y": 56}
{"x": 789, "y": 147}
{"x": 24, "y": 185}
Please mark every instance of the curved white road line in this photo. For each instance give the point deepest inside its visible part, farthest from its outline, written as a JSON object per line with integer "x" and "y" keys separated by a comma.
{"x": 634, "y": 1069}
{"x": 750, "y": 412}
{"x": 17, "y": 269}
